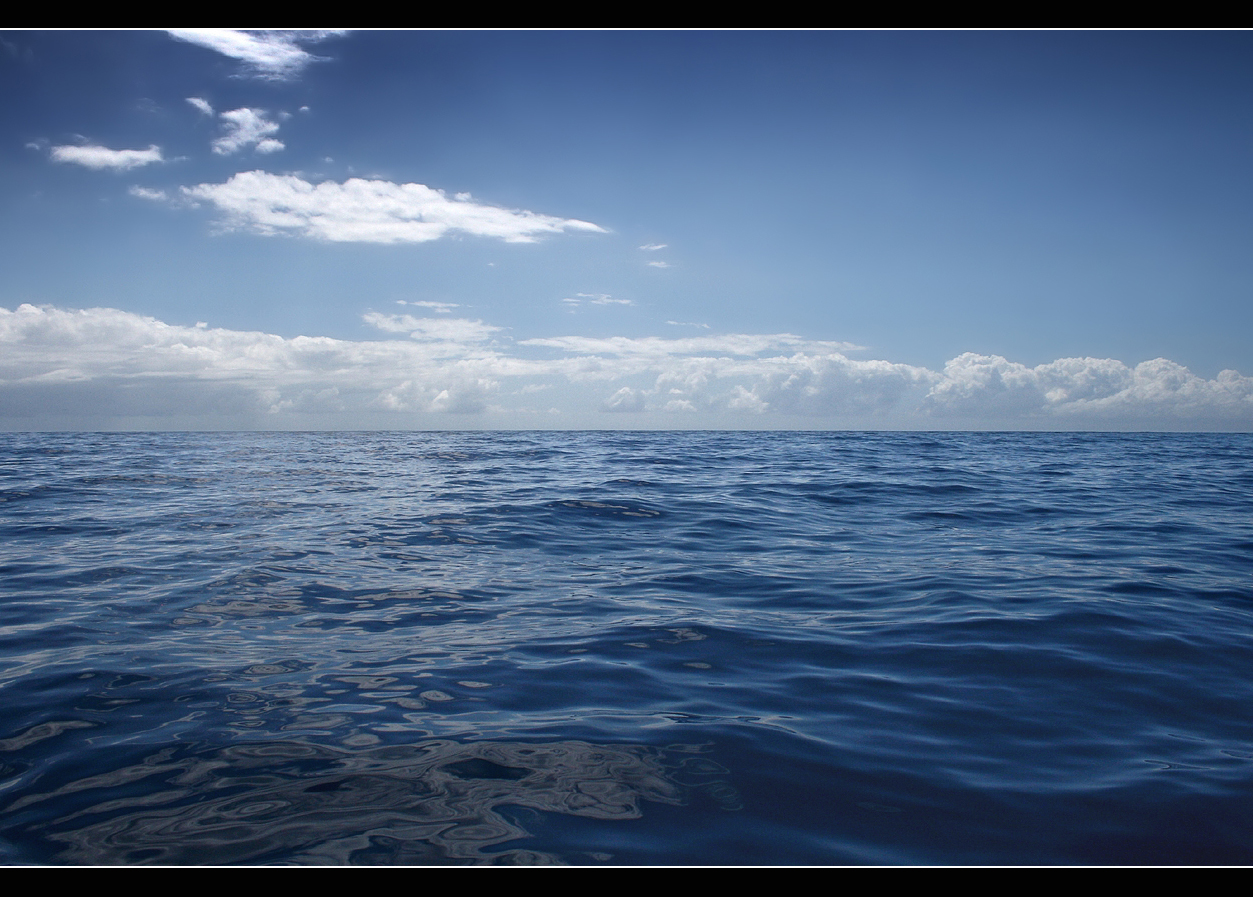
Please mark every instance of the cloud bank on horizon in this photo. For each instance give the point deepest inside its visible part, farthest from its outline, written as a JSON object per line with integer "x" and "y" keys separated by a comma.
{"x": 1005, "y": 240}
{"x": 59, "y": 364}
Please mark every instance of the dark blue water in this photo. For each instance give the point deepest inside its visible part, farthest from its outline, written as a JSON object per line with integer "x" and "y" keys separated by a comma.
{"x": 626, "y": 648}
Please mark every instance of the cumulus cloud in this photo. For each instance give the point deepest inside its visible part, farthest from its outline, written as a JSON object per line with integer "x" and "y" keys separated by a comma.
{"x": 368, "y": 211}
{"x": 101, "y": 157}
{"x": 244, "y": 128}
{"x": 625, "y": 399}
{"x": 95, "y": 360}
{"x": 106, "y": 362}
{"x": 274, "y": 55}
{"x": 1086, "y": 388}
{"x": 201, "y": 104}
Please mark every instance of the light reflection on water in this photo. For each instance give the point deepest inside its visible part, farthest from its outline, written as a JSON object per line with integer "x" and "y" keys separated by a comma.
{"x": 294, "y": 802}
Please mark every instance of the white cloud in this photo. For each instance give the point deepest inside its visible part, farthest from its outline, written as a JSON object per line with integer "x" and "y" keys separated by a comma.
{"x": 653, "y": 247}
{"x": 146, "y": 193}
{"x": 367, "y": 211}
{"x": 102, "y": 365}
{"x": 459, "y": 331}
{"x": 731, "y": 344}
{"x": 100, "y": 157}
{"x": 656, "y": 264}
{"x": 267, "y": 54}
{"x": 201, "y": 104}
{"x": 102, "y": 360}
{"x": 596, "y": 299}
{"x": 1087, "y": 388}
{"x": 625, "y": 399}
{"x": 688, "y": 324}
{"x": 442, "y": 308}
{"x": 244, "y": 128}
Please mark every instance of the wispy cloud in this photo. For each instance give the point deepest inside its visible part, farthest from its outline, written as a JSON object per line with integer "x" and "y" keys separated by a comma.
{"x": 731, "y": 344}
{"x": 595, "y": 299}
{"x": 368, "y": 211}
{"x": 654, "y": 247}
{"x": 201, "y": 104}
{"x": 265, "y": 54}
{"x": 101, "y": 157}
{"x": 442, "y": 308}
{"x": 244, "y": 128}
{"x": 148, "y": 193}
{"x": 458, "y": 331}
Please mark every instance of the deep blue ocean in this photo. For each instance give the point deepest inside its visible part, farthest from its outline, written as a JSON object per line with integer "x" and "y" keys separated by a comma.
{"x": 626, "y": 648}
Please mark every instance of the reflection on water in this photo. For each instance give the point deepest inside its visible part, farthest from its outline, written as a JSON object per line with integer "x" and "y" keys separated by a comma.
{"x": 438, "y": 801}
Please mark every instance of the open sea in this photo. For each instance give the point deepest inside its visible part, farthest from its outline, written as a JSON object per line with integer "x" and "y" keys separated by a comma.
{"x": 623, "y": 648}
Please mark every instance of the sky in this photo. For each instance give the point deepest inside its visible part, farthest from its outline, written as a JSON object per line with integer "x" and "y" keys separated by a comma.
{"x": 660, "y": 230}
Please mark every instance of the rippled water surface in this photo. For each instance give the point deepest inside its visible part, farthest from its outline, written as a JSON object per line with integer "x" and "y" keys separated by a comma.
{"x": 624, "y": 648}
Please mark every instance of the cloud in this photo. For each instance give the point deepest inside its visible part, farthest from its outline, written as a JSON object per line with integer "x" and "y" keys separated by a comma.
{"x": 146, "y": 193}
{"x": 657, "y": 264}
{"x": 105, "y": 361}
{"x": 275, "y": 55}
{"x": 100, "y": 157}
{"x": 653, "y": 247}
{"x": 202, "y": 105}
{"x": 367, "y": 211}
{"x": 442, "y": 308}
{"x": 458, "y": 331}
{"x": 100, "y": 365}
{"x": 1086, "y": 388}
{"x": 728, "y": 345}
{"x": 596, "y": 299}
{"x": 244, "y": 128}
{"x": 625, "y": 399}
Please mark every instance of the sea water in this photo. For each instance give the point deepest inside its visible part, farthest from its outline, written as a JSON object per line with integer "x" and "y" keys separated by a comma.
{"x": 626, "y": 648}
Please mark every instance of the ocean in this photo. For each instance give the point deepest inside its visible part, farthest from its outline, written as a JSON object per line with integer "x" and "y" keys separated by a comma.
{"x": 626, "y": 648}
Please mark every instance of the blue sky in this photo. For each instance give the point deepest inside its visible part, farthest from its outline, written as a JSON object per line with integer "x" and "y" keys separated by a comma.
{"x": 938, "y": 230}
